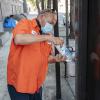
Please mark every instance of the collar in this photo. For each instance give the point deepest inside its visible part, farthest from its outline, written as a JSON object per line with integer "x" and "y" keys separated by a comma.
{"x": 38, "y": 24}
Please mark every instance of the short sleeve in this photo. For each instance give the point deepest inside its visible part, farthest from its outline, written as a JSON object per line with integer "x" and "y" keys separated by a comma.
{"x": 21, "y": 28}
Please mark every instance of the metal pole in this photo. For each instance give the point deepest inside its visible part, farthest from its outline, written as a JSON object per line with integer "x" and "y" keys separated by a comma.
{"x": 67, "y": 41}
{"x": 57, "y": 65}
{"x": 25, "y": 6}
{"x": 67, "y": 38}
{"x": 49, "y": 4}
{"x": 42, "y": 4}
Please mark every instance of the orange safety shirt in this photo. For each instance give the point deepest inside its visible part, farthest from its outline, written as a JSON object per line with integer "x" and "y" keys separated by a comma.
{"x": 27, "y": 64}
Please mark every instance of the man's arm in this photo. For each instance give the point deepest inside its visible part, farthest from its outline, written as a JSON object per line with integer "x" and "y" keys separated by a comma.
{"x": 25, "y": 39}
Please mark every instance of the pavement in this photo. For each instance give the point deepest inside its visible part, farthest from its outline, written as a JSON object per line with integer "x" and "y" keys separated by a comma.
{"x": 3, "y": 63}
{"x": 49, "y": 87}
{"x": 1, "y": 26}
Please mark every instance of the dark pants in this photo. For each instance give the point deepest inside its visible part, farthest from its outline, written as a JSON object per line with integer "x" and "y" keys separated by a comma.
{"x": 14, "y": 95}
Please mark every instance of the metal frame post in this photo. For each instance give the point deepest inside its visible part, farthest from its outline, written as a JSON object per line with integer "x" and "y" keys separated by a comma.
{"x": 42, "y": 4}
{"x": 81, "y": 74}
{"x": 67, "y": 41}
{"x": 57, "y": 65}
{"x": 25, "y": 6}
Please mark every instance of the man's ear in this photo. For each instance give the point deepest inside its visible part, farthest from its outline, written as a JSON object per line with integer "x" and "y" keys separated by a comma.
{"x": 42, "y": 17}
{"x": 42, "y": 20}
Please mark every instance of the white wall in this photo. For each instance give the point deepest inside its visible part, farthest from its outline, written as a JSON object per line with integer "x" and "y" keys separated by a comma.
{"x": 11, "y": 7}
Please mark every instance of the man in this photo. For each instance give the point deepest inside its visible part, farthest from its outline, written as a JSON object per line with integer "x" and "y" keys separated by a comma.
{"x": 29, "y": 56}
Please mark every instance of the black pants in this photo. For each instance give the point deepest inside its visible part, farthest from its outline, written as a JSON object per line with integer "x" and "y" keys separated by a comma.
{"x": 14, "y": 95}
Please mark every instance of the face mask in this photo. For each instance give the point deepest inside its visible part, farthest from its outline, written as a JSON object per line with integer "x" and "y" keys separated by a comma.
{"x": 48, "y": 28}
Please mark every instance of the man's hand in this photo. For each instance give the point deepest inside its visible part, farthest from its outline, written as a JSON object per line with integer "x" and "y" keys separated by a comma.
{"x": 55, "y": 40}
{"x": 57, "y": 58}
{"x": 60, "y": 58}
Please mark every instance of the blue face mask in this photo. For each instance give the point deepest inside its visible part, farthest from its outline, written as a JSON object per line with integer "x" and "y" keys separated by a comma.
{"x": 48, "y": 28}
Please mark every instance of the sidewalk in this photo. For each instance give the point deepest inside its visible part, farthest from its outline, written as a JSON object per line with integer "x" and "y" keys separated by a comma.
{"x": 1, "y": 26}
{"x": 4, "y": 50}
{"x": 3, "y": 62}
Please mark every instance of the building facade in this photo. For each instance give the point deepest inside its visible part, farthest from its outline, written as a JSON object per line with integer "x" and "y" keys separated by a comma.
{"x": 9, "y": 7}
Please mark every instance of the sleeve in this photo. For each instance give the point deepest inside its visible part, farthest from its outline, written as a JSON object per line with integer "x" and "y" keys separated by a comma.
{"x": 21, "y": 28}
